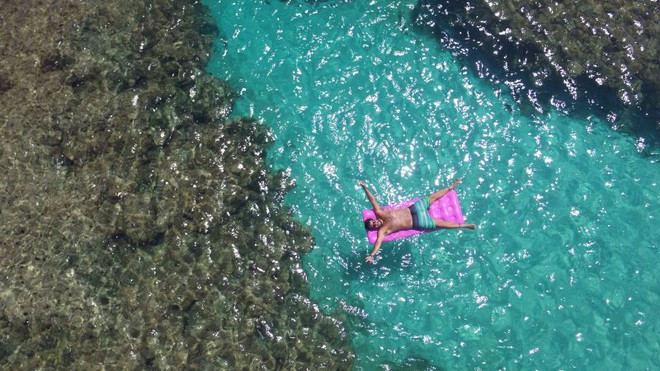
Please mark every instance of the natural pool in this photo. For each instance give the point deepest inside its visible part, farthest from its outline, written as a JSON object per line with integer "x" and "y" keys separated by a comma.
{"x": 561, "y": 271}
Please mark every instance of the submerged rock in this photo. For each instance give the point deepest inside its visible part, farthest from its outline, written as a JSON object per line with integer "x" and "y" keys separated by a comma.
{"x": 5, "y": 83}
{"x": 141, "y": 227}
{"x": 585, "y": 45}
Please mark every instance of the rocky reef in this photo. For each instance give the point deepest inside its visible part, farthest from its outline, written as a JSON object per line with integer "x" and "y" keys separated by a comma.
{"x": 596, "y": 50}
{"x": 141, "y": 228}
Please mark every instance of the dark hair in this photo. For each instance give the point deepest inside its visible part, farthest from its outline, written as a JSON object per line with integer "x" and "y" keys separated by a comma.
{"x": 366, "y": 224}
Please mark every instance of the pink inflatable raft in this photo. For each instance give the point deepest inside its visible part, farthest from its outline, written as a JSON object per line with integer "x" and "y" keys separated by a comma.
{"x": 446, "y": 208}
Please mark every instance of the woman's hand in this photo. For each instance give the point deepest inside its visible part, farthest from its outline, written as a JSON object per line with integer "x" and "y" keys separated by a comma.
{"x": 369, "y": 259}
{"x": 361, "y": 183}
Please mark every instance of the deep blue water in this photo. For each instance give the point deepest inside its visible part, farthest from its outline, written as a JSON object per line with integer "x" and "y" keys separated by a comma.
{"x": 562, "y": 270}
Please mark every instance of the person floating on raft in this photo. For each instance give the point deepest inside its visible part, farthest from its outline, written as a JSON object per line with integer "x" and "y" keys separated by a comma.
{"x": 414, "y": 217}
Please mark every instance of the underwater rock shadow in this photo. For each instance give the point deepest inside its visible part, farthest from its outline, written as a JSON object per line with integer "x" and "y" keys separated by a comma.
{"x": 487, "y": 48}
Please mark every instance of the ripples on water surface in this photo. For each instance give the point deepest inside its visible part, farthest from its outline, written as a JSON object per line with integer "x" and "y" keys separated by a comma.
{"x": 562, "y": 270}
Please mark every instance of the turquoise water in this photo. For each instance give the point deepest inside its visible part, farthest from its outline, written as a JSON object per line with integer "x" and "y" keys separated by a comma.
{"x": 562, "y": 270}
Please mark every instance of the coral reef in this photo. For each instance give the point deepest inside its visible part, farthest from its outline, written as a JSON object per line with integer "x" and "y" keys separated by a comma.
{"x": 141, "y": 226}
{"x": 586, "y": 44}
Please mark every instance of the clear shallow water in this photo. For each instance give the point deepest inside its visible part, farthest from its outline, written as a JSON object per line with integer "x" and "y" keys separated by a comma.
{"x": 561, "y": 271}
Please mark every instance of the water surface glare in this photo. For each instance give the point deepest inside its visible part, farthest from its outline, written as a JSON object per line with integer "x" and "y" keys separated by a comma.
{"x": 562, "y": 270}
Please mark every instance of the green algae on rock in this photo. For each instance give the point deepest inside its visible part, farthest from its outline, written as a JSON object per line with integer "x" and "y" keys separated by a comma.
{"x": 141, "y": 226}
{"x": 583, "y": 43}
{"x": 614, "y": 43}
